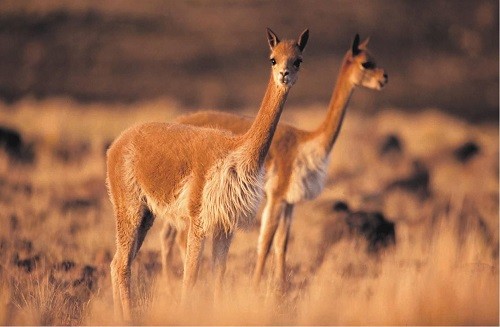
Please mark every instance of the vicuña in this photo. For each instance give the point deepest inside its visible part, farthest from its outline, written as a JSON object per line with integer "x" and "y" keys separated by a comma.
{"x": 201, "y": 180}
{"x": 297, "y": 162}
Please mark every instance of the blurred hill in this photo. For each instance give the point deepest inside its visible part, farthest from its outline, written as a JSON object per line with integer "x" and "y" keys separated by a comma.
{"x": 214, "y": 53}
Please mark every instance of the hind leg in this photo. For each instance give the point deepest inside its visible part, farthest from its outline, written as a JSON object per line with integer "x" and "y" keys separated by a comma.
{"x": 181, "y": 241}
{"x": 280, "y": 244}
{"x": 167, "y": 239}
{"x": 220, "y": 247}
{"x": 130, "y": 234}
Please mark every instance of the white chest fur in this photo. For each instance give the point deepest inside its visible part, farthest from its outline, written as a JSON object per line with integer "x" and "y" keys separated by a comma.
{"x": 231, "y": 193}
{"x": 308, "y": 174}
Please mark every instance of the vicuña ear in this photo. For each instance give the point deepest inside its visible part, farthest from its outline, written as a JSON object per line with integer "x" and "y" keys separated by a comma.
{"x": 364, "y": 44}
{"x": 272, "y": 38}
{"x": 303, "y": 39}
{"x": 355, "y": 46}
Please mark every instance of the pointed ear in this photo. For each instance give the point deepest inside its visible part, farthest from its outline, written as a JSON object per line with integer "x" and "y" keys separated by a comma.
{"x": 303, "y": 39}
{"x": 272, "y": 38}
{"x": 364, "y": 44}
{"x": 355, "y": 46}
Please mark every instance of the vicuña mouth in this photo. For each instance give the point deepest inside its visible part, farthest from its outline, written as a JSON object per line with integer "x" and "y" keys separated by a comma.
{"x": 286, "y": 81}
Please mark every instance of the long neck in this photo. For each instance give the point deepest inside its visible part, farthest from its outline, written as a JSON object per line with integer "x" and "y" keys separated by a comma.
{"x": 330, "y": 127}
{"x": 257, "y": 139}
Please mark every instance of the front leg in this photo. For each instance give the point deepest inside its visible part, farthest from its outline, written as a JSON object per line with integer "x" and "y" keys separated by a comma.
{"x": 280, "y": 244}
{"x": 270, "y": 219}
{"x": 220, "y": 247}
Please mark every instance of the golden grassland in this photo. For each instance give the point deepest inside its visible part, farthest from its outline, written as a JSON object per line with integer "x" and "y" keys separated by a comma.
{"x": 57, "y": 232}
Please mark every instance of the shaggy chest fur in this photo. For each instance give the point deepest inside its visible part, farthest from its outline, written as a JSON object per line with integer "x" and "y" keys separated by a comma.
{"x": 230, "y": 195}
{"x": 308, "y": 173}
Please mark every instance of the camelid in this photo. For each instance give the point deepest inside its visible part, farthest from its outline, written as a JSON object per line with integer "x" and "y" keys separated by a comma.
{"x": 201, "y": 180}
{"x": 297, "y": 161}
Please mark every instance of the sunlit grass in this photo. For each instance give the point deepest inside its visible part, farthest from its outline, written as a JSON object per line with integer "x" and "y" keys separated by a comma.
{"x": 443, "y": 269}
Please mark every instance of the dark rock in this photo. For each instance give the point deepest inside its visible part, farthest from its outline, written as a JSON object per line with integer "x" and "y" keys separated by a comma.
{"x": 12, "y": 142}
{"x": 24, "y": 245}
{"x": 378, "y": 232}
{"x": 416, "y": 182}
{"x": 14, "y": 222}
{"x": 28, "y": 264}
{"x": 3, "y": 245}
{"x": 391, "y": 144}
{"x": 65, "y": 265}
{"x": 466, "y": 151}
{"x": 340, "y": 206}
{"x": 88, "y": 271}
{"x": 25, "y": 188}
{"x": 72, "y": 152}
{"x": 373, "y": 226}
{"x": 87, "y": 279}
{"x": 79, "y": 204}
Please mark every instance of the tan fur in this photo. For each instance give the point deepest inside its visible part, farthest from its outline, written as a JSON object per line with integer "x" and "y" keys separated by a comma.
{"x": 200, "y": 180}
{"x": 297, "y": 161}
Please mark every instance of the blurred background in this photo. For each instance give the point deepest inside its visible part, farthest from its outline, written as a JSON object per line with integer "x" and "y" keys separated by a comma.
{"x": 213, "y": 54}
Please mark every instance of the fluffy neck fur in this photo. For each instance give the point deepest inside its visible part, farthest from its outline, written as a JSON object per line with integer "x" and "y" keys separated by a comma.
{"x": 257, "y": 140}
{"x": 330, "y": 127}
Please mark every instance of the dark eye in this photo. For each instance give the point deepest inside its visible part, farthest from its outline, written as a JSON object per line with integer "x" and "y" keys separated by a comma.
{"x": 273, "y": 62}
{"x": 297, "y": 63}
{"x": 368, "y": 65}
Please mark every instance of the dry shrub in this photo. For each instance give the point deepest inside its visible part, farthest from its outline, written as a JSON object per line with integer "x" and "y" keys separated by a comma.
{"x": 439, "y": 278}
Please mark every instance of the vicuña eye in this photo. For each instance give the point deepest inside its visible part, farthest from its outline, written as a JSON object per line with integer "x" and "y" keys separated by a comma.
{"x": 273, "y": 61}
{"x": 297, "y": 63}
{"x": 368, "y": 65}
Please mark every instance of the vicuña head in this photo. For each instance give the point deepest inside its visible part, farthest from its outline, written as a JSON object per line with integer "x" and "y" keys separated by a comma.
{"x": 286, "y": 57}
{"x": 364, "y": 69}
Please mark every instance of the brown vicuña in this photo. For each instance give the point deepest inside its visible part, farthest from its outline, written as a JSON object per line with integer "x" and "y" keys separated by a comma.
{"x": 200, "y": 180}
{"x": 297, "y": 161}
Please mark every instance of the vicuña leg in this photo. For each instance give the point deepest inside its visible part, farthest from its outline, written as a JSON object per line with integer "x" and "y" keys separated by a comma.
{"x": 130, "y": 237}
{"x": 167, "y": 239}
{"x": 195, "y": 242}
{"x": 269, "y": 224}
{"x": 115, "y": 264}
{"x": 181, "y": 241}
{"x": 280, "y": 243}
{"x": 220, "y": 247}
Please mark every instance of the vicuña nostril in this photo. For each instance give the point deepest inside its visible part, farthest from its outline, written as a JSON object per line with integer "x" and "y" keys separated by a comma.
{"x": 386, "y": 77}
{"x": 285, "y": 73}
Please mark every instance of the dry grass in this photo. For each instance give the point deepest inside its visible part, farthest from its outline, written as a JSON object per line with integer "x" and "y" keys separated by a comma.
{"x": 57, "y": 235}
